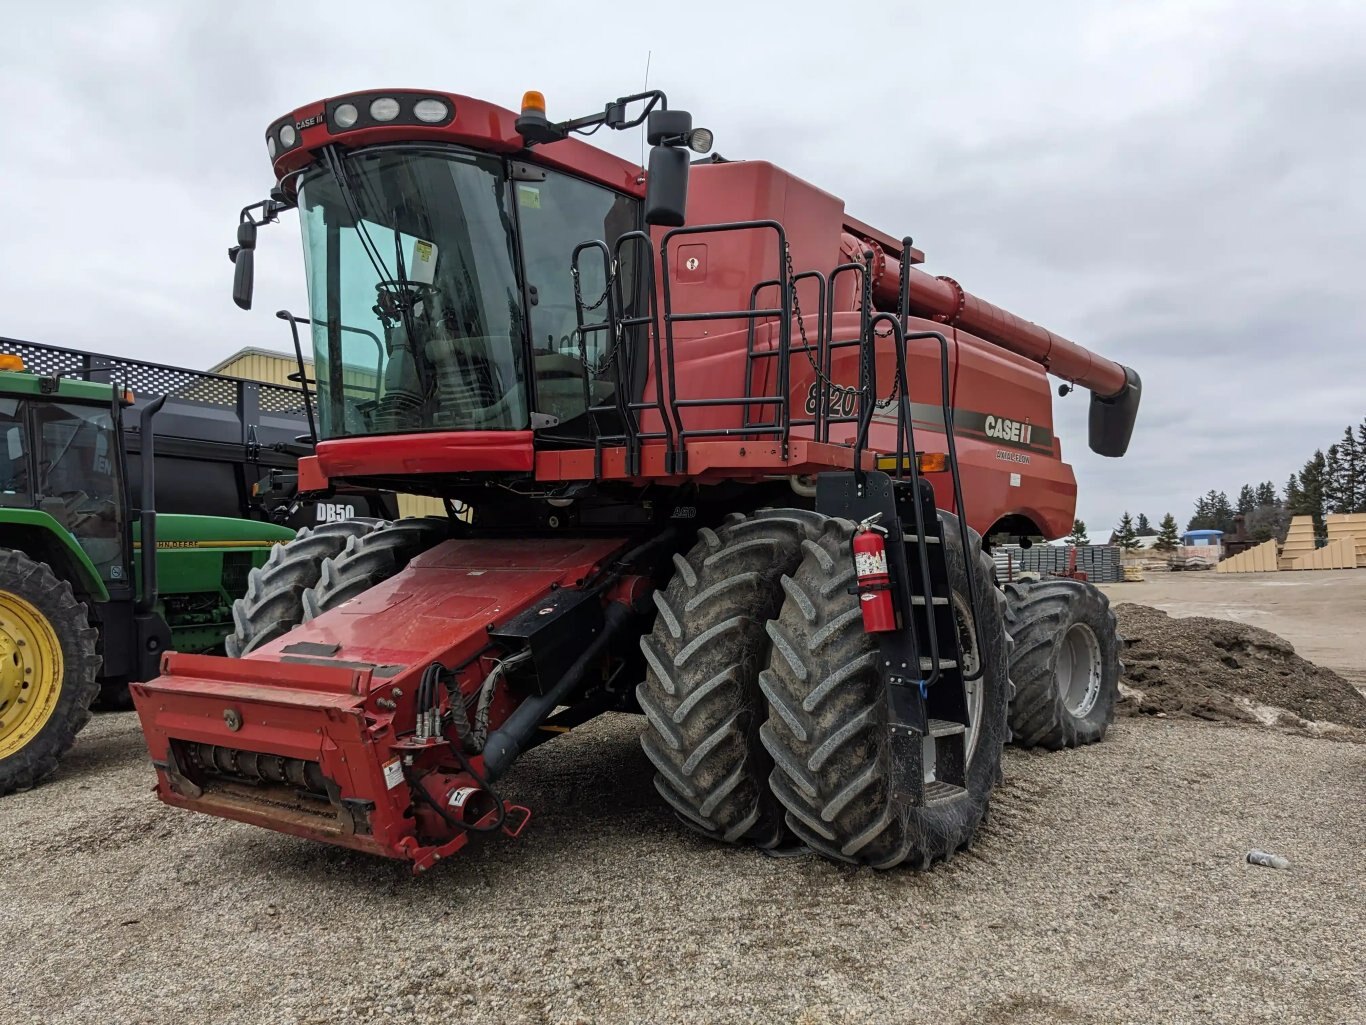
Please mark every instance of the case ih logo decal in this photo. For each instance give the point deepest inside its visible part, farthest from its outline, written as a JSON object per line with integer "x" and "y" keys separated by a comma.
{"x": 1006, "y": 430}
{"x": 842, "y": 401}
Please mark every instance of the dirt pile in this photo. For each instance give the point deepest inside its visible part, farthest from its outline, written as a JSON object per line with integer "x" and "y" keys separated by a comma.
{"x": 1222, "y": 671}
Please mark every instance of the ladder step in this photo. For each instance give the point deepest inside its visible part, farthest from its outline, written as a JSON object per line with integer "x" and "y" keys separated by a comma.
{"x": 945, "y": 728}
{"x": 927, "y": 664}
{"x": 919, "y": 601}
{"x": 937, "y": 791}
{"x": 911, "y": 539}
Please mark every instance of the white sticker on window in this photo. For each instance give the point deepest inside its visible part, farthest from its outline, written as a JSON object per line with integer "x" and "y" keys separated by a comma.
{"x": 422, "y": 265}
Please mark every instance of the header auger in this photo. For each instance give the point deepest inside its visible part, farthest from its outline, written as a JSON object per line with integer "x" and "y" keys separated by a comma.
{"x": 676, "y": 401}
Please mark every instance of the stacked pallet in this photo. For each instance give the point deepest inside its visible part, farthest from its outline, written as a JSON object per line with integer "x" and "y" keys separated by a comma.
{"x": 1299, "y": 541}
{"x": 1100, "y": 563}
{"x": 1349, "y": 525}
{"x": 1261, "y": 559}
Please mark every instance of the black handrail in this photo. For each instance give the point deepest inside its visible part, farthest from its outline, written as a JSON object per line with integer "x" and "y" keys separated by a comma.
{"x": 946, "y": 408}
{"x": 303, "y": 370}
{"x": 784, "y": 314}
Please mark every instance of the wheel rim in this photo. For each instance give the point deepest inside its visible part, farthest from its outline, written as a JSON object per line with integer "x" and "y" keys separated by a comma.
{"x": 1078, "y": 670}
{"x": 30, "y": 672}
{"x": 971, "y": 659}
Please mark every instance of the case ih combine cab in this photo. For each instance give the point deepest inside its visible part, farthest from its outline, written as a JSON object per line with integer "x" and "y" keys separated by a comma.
{"x": 730, "y": 457}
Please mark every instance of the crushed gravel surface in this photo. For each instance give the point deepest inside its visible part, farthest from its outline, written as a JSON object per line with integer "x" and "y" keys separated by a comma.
{"x": 1108, "y": 886}
{"x": 1222, "y": 671}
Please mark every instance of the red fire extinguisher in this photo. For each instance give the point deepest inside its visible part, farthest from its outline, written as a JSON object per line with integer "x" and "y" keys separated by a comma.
{"x": 874, "y": 582}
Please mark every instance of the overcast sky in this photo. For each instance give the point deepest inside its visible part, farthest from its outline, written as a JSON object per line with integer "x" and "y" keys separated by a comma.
{"x": 1177, "y": 185}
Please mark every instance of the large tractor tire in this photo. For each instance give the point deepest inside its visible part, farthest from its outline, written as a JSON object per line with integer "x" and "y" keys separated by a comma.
{"x": 370, "y": 559}
{"x": 273, "y": 604}
{"x": 701, "y": 692}
{"x": 48, "y": 662}
{"x": 1065, "y": 663}
{"x": 827, "y": 726}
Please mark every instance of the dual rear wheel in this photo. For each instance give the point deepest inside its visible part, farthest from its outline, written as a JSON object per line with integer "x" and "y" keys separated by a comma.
{"x": 767, "y": 717}
{"x": 766, "y": 712}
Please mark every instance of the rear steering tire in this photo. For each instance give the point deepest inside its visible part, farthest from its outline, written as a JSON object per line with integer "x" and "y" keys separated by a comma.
{"x": 827, "y": 727}
{"x": 273, "y": 604}
{"x": 1065, "y": 663}
{"x": 369, "y": 559}
{"x": 700, "y": 695}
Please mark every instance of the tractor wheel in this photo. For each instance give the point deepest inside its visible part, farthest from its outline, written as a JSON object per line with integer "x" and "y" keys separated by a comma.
{"x": 701, "y": 694}
{"x": 371, "y": 559}
{"x": 1065, "y": 663}
{"x": 273, "y": 604}
{"x": 827, "y": 726}
{"x": 48, "y": 662}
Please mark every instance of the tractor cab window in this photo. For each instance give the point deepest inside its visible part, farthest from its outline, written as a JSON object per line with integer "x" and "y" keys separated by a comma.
{"x": 555, "y": 215}
{"x": 413, "y": 291}
{"x": 14, "y": 474}
{"x": 78, "y": 480}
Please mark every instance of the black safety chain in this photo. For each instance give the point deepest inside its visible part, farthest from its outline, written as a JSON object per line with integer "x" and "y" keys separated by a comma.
{"x": 824, "y": 382}
{"x": 597, "y": 369}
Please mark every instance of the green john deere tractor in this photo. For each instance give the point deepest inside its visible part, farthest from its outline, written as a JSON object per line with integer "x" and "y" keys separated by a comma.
{"x": 93, "y": 587}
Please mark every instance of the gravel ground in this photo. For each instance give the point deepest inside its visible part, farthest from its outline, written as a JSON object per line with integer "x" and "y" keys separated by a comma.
{"x": 1108, "y": 886}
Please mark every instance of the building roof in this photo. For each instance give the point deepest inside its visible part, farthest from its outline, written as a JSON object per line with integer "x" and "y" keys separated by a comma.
{"x": 253, "y": 350}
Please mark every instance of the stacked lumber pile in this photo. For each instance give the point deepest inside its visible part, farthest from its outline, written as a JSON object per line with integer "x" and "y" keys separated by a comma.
{"x": 1299, "y": 541}
{"x": 1261, "y": 559}
{"x": 1349, "y": 525}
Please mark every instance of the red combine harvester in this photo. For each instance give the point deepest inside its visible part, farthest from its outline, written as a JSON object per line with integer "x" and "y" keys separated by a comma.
{"x": 743, "y": 499}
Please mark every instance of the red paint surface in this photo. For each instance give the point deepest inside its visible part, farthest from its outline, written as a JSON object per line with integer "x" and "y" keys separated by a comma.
{"x": 428, "y": 452}
{"x": 997, "y": 359}
{"x": 311, "y": 477}
{"x": 437, "y": 609}
{"x": 477, "y": 123}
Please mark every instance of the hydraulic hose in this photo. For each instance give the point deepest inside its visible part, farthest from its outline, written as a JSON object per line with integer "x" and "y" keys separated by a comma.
{"x": 509, "y": 740}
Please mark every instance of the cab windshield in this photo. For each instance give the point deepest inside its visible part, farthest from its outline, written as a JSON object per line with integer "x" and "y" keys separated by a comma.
{"x": 418, "y": 320}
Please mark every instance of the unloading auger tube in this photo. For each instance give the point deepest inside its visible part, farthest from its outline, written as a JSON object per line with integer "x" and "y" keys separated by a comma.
{"x": 1115, "y": 389}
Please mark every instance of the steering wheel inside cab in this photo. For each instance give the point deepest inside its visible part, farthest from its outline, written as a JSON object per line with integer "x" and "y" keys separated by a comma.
{"x": 394, "y": 298}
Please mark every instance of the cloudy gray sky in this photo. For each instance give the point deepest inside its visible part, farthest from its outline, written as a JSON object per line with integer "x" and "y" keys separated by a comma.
{"x": 1176, "y": 184}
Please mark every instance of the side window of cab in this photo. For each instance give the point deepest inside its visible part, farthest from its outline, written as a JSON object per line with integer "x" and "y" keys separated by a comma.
{"x": 555, "y": 215}
{"x": 15, "y": 488}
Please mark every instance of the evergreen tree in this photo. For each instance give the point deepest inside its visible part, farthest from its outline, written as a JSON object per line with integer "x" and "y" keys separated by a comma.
{"x": 1266, "y": 494}
{"x": 1143, "y": 528}
{"x": 1166, "y": 536}
{"x": 1124, "y": 535}
{"x": 1221, "y": 510}
{"x": 1332, "y": 481}
{"x": 1351, "y": 481}
{"x": 1309, "y": 501}
{"x": 1292, "y": 493}
{"x": 1247, "y": 499}
{"x": 1212, "y": 512}
{"x": 1078, "y": 535}
{"x": 1200, "y": 521}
